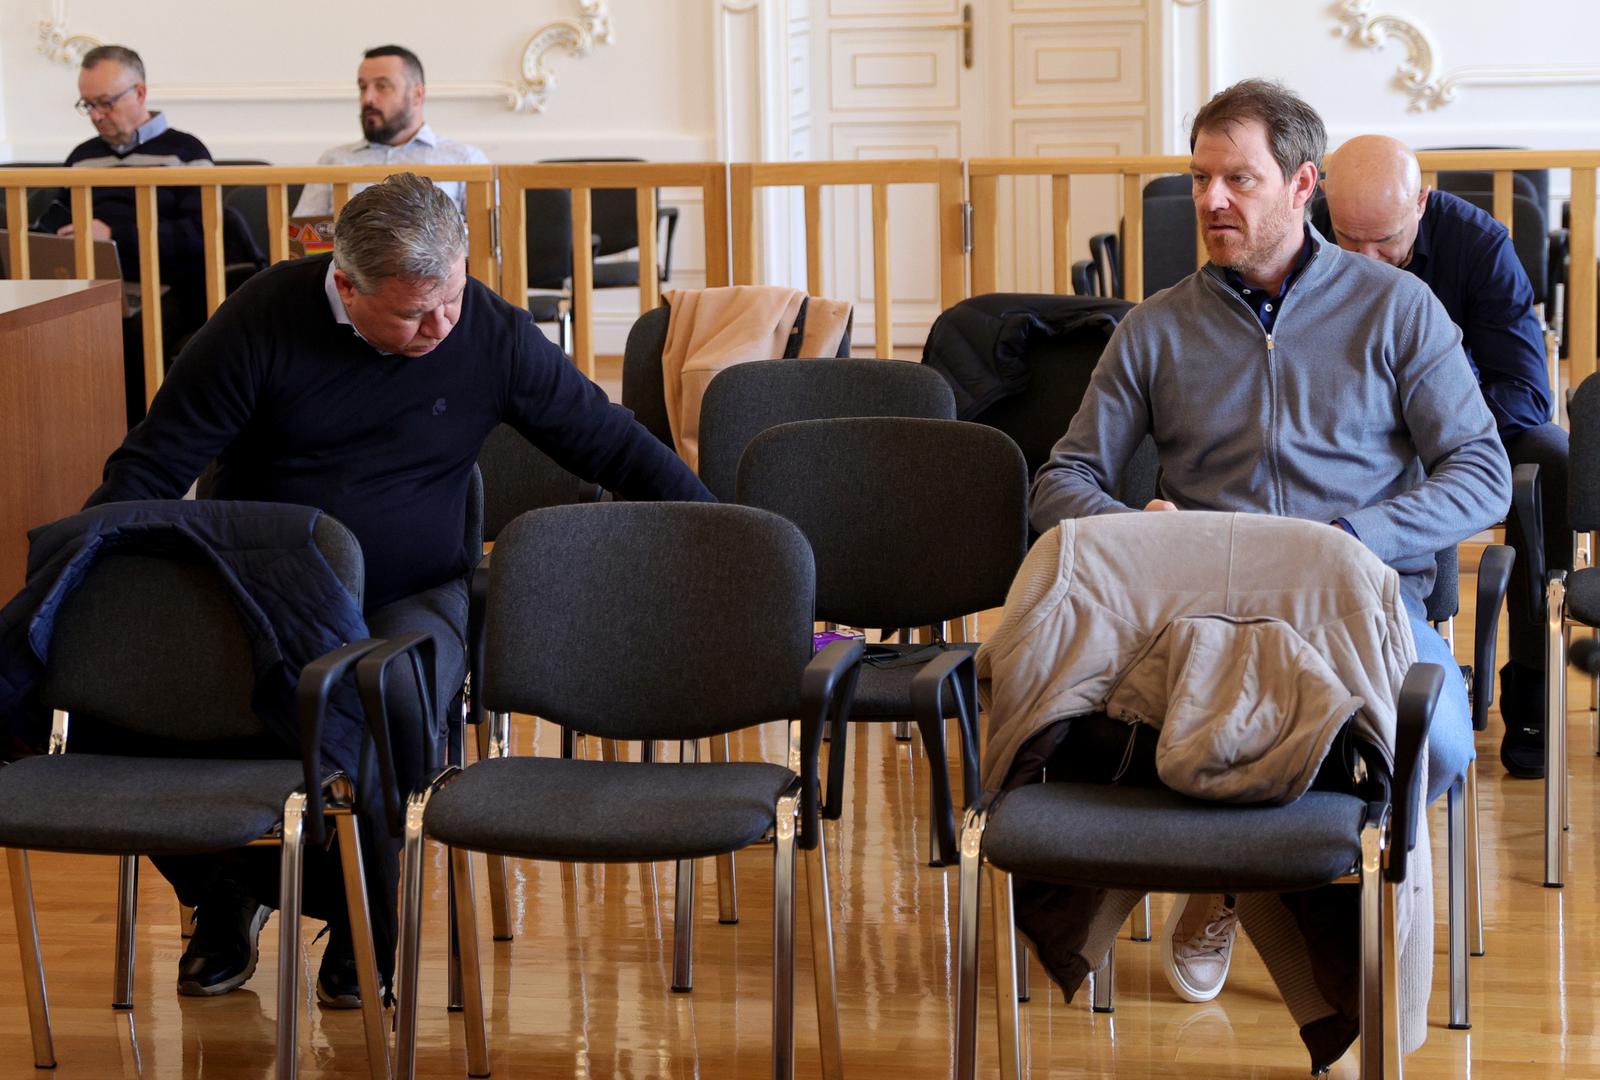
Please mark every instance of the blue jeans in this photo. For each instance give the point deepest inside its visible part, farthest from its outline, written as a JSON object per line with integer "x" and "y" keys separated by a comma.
{"x": 1450, "y": 749}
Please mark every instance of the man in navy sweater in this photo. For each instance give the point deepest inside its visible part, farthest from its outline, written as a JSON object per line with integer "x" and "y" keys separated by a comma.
{"x": 112, "y": 95}
{"x": 364, "y": 383}
{"x": 1378, "y": 207}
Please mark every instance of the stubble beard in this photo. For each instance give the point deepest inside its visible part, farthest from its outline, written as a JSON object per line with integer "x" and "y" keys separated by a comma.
{"x": 1253, "y": 246}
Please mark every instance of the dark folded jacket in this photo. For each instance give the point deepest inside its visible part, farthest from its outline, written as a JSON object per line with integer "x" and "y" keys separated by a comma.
{"x": 980, "y": 345}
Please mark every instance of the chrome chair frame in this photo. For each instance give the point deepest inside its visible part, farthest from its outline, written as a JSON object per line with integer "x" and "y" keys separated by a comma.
{"x": 335, "y": 799}
{"x": 1380, "y": 1054}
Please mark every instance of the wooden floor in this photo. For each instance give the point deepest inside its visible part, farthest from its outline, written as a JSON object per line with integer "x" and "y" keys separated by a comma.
{"x": 583, "y": 990}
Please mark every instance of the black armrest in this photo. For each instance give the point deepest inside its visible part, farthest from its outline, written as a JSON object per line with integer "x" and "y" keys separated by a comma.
{"x": 669, "y": 214}
{"x": 957, "y": 669}
{"x": 1494, "y": 575}
{"x": 1419, "y": 696}
{"x": 1527, "y": 515}
{"x": 827, "y": 689}
{"x": 372, "y": 674}
{"x": 317, "y": 680}
{"x": 477, "y": 604}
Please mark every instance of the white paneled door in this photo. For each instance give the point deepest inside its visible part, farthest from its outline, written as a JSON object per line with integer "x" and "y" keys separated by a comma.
{"x": 992, "y": 78}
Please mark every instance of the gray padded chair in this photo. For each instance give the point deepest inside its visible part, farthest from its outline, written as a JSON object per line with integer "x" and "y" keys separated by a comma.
{"x": 642, "y": 389}
{"x": 1114, "y": 837}
{"x": 573, "y": 590}
{"x": 186, "y": 688}
{"x": 913, "y": 523}
{"x": 1570, "y": 598}
{"x": 747, "y": 399}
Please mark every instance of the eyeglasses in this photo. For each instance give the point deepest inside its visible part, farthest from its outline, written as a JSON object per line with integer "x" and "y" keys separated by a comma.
{"x": 104, "y": 104}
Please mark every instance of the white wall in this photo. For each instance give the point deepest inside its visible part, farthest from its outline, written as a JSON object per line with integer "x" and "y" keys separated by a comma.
{"x": 1356, "y": 89}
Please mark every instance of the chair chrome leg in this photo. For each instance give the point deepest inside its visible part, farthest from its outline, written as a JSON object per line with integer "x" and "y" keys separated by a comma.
{"x": 902, "y": 731}
{"x": 491, "y": 744}
{"x": 44, "y": 1054}
{"x": 355, "y": 894}
{"x": 967, "y": 930}
{"x": 185, "y": 921}
{"x": 1474, "y": 868}
{"x": 405, "y": 1025}
{"x": 1141, "y": 920}
{"x": 471, "y": 970}
{"x": 783, "y": 937}
{"x": 1391, "y": 982}
{"x": 1372, "y": 959}
{"x": 127, "y": 915}
{"x": 1555, "y": 732}
{"x": 683, "y": 928}
{"x": 824, "y": 971}
{"x": 1008, "y": 1022}
{"x": 1457, "y": 812}
{"x": 1023, "y": 993}
{"x": 291, "y": 862}
{"x": 1103, "y": 983}
{"x": 452, "y": 903}
{"x": 727, "y": 877}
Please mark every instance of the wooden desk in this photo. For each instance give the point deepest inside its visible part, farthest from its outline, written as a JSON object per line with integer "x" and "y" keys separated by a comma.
{"x": 61, "y": 405}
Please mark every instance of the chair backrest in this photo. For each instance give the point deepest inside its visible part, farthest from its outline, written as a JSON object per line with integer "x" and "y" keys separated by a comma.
{"x": 911, "y": 521}
{"x": 649, "y": 620}
{"x": 153, "y": 644}
{"x": 518, "y": 477}
{"x": 642, "y": 389}
{"x": 747, "y": 399}
{"x": 250, "y": 200}
{"x": 613, "y": 212}
{"x": 1583, "y": 470}
{"x": 547, "y": 229}
{"x": 1169, "y": 239}
{"x": 1445, "y": 600}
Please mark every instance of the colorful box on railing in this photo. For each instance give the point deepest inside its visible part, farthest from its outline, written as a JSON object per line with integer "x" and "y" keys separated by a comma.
{"x": 310, "y": 236}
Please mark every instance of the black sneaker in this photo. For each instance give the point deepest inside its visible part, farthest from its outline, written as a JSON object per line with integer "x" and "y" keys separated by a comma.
{"x": 222, "y": 953}
{"x": 1522, "y": 705}
{"x": 337, "y": 984}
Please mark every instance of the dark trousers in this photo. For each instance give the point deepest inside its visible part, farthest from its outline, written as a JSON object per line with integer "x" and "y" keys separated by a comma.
{"x": 441, "y": 611}
{"x": 1546, "y": 447}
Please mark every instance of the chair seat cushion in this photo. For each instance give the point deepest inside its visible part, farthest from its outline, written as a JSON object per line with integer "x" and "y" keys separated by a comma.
{"x": 545, "y": 307}
{"x": 884, "y": 693}
{"x": 1157, "y": 840}
{"x": 607, "y": 811}
{"x": 110, "y": 805}
{"x": 1583, "y": 595}
{"x": 616, "y": 275}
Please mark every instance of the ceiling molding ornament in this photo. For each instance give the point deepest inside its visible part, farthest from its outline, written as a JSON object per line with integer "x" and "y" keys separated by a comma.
{"x": 1418, "y": 74}
{"x": 530, "y": 93}
{"x": 57, "y": 44}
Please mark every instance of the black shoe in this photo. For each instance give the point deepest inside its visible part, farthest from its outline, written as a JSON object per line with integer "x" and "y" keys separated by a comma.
{"x": 337, "y": 984}
{"x": 222, "y": 954}
{"x": 1522, "y": 707}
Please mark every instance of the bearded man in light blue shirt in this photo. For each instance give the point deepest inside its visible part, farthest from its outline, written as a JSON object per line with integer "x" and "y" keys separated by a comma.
{"x": 392, "y": 96}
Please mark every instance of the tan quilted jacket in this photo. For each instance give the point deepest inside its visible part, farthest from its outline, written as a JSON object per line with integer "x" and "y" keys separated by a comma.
{"x": 1248, "y": 639}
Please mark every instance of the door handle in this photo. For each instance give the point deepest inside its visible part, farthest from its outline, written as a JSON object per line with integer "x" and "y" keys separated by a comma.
{"x": 965, "y": 26}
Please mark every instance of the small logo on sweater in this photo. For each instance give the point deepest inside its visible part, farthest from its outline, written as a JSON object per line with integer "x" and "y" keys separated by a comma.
{"x": 439, "y": 407}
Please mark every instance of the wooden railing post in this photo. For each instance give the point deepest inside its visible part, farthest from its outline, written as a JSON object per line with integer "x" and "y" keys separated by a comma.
{"x": 1133, "y": 236}
{"x": 277, "y": 222}
{"x": 985, "y": 233}
{"x": 649, "y": 269}
{"x": 83, "y": 232}
{"x": 813, "y": 239}
{"x": 150, "y": 289}
{"x": 952, "y": 253}
{"x": 582, "y": 281}
{"x": 742, "y": 202}
{"x": 1581, "y": 283}
{"x": 714, "y": 200}
{"x": 17, "y": 228}
{"x": 216, "y": 275}
{"x": 481, "y": 241}
{"x": 513, "y": 243}
{"x": 882, "y": 312}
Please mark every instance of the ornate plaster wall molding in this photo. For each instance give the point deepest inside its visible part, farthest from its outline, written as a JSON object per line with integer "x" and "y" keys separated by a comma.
{"x": 529, "y": 93}
{"x": 1418, "y": 74}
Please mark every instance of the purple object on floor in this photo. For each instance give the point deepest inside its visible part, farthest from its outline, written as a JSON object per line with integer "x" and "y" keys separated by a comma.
{"x": 828, "y": 637}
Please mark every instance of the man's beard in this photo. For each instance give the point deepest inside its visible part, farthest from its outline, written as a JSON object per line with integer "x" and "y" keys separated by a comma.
{"x": 380, "y": 129}
{"x": 1250, "y": 250}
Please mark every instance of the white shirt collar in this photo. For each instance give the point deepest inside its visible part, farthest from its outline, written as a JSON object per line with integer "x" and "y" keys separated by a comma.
{"x": 341, "y": 315}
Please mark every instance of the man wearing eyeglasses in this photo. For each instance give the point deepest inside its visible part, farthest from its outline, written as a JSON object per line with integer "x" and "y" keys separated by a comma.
{"x": 111, "y": 92}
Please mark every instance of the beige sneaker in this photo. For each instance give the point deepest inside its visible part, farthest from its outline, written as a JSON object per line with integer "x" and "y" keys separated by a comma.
{"x": 1197, "y": 945}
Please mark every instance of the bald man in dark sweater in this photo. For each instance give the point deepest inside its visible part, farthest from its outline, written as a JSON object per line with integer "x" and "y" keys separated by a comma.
{"x": 364, "y": 384}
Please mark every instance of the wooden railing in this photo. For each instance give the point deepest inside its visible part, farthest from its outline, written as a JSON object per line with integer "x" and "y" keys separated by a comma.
{"x": 81, "y": 184}
{"x": 984, "y": 174}
{"x": 813, "y": 176}
{"x": 581, "y": 178}
{"x": 732, "y": 224}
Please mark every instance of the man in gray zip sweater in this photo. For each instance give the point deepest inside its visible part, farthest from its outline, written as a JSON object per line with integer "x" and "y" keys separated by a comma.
{"x": 1289, "y": 377}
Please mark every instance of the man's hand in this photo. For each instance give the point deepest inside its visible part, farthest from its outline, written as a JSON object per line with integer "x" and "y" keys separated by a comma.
{"x": 99, "y": 230}
{"x": 1159, "y": 504}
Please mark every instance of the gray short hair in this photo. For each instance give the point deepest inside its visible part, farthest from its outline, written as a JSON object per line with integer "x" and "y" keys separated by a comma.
{"x": 404, "y": 227}
{"x": 115, "y": 54}
{"x": 1294, "y": 130}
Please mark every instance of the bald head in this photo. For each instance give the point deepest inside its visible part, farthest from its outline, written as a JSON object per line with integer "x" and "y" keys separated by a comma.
{"x": 1375, "y": 197}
